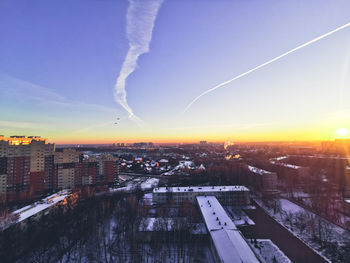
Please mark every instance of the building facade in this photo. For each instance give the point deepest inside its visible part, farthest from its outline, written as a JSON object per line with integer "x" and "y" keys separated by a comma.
{"x": 262, "y": 180}
{"x": 23, "y": 163}
{"x": 30, "y": 167}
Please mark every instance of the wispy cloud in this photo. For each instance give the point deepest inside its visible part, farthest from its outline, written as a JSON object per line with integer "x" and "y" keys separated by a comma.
{"x": 140, "y": 19}
{"x": 22, "y": 125}
{"x": 265, "y": 64}
{"x": 15, "y": 88}
{"x": 92, "y": 127}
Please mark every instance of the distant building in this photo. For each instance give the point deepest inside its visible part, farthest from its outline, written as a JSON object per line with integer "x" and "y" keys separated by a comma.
{"x": 262, "y": 180}
{"x": 203, "y": 142}
{"x": 143, "y": 144}
{"x": 72, "y": 170}
{"x": 338, "y": 146}
{"x": 285, "y": 170}
{"x": 107, "y": 168}
{"x": 228, "y": 195}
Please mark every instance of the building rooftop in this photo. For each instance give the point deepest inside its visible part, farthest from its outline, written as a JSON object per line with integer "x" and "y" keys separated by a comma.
{"x": 30, "y": 210}
{"x": 229, "y": 242}
{"x": 22, "y": 140}
{"x": 258, "y": 170}
{"x": 292, "y": 166}
{"x": 214, "y": 214}
{"x": 201, "y": 189}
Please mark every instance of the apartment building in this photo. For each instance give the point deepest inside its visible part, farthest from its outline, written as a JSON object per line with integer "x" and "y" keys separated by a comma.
{"x": 23, "y": 159}
{"x": 107, "y": 168}
{"x": 65, "y": 163}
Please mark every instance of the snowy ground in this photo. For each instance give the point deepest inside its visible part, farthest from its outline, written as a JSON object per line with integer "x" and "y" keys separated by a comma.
{"x": 268, "y": 252}
{"x": 238, "y": 216}
{"x": 149, "y": 184}
{"x": 137, "y": 183}
{"x": 304, "y": 224}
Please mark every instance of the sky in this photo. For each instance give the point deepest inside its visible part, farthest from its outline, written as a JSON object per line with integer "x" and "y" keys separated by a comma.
{"x": 69, "y": 70}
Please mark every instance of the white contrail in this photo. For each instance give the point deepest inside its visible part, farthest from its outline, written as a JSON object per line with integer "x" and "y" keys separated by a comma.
{"x": 140, "y": 19}
{"x": 266, "y": 63}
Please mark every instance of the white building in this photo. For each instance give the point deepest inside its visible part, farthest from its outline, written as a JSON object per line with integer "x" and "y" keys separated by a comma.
{"x": 228, "y": 244}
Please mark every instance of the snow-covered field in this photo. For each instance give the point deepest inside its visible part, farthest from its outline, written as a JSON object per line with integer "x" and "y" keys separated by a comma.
{"x": 268, "y": 252}
{"x": 149, "y": 184}
{"x": 238, "y": 216}
{"x": 313, "y": 230}
{"x": 136, "y": 184}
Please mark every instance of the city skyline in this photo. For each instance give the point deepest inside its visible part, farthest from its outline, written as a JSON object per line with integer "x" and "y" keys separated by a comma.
{"x": 58, "y": 77}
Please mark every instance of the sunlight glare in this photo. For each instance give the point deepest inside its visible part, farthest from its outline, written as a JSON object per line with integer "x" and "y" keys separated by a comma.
{"x": 342, "y": 132}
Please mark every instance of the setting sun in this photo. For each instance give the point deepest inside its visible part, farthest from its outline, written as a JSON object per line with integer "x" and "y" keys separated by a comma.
{"x": 342, "y": 132}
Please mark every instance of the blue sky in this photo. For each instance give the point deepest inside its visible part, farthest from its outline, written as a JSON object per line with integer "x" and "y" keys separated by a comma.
{"x": 60, "y": 61}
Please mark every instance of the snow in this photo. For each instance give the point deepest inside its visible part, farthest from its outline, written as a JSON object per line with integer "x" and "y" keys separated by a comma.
{"x": 201, "y": 167}
{"x": 133, "y": 185}
{"x": 257, "y": 170}
{"x": 238, "y": 216}
{"x": 23, "y": 209}
{"x": 288, "y": 206}
{"x": 290, "y": 213}
{"x": 156, "y": 224}
{"x": 149, "y": 184}
{"x": 292, "y": 166}
{"x": 214, "y": 214}
{"x": 185, "y": 164}
{"x": 228, "y": 241}
{"x": 201, "y": 189}
{"x": 267, "y": 250}
{"x": 281, "y": 158}
{"x": 37, "y": 207}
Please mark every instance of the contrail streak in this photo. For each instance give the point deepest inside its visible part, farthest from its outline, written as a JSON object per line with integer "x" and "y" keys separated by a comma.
{"x": 266, "y": 63}
{"x": 140, "y": 19}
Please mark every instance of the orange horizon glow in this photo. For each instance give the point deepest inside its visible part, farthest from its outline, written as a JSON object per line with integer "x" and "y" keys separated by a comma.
{"x": 314, "y": 132}
{"x": 182, "y": 140}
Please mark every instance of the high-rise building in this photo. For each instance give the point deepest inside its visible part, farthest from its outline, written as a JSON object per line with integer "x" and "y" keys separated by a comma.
{"x": 107, "y": 168}
{"x": 23, "y": 159}
{"x": 73, "y": 169}
{"x": 65, "y": 166}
